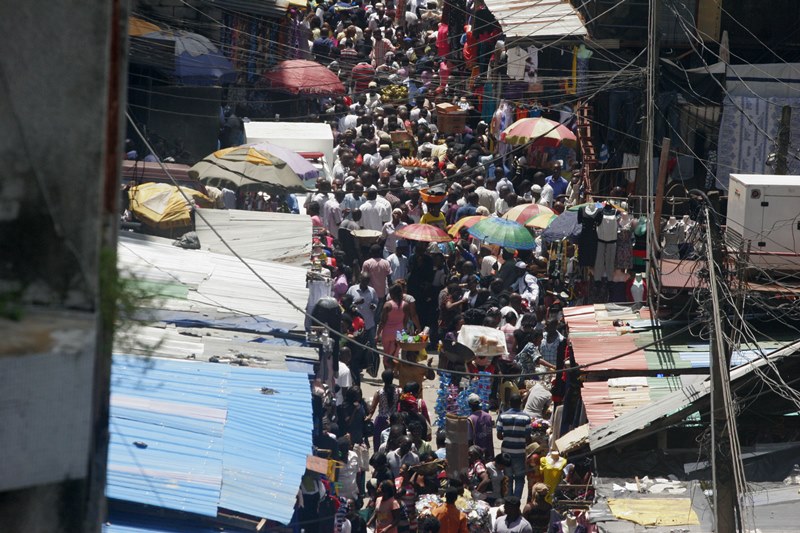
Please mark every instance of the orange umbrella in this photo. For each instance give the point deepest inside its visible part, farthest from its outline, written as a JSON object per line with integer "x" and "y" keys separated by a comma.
{"x": 466, "y": 222}
{"x": 524, "y": 212}
{"x": 423, "y": 233}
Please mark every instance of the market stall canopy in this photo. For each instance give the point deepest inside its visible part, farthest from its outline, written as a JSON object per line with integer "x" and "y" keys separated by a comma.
{"x": 527, "y": 19}
{"x": 195, "y": 61}
{"x": 299, "y": 164}
{"x": 247, "y": 167}
{"x": 302, "y": 77}
{"x": 165, "y": 206}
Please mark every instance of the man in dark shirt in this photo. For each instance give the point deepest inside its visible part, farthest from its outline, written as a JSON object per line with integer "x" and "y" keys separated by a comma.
{"x": 470, "y": 208}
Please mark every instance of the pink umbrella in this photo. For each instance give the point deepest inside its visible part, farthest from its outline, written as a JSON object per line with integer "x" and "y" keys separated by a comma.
{"x": 539, "y": 131}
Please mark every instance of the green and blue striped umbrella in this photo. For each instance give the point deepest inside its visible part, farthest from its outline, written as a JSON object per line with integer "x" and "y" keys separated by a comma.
{"x": 502, "y": 232}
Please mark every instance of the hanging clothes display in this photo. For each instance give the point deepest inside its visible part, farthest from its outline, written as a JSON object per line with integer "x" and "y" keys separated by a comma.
{"x": 454, "y": 15}
{"x": 487, "y": 31}
{"x": 517, "y": 62}
{"x": 624, "y": 257}
{"x": 606, "y": 245}
{"x": 672, "y": 237}
{"x": 588, "y": 218}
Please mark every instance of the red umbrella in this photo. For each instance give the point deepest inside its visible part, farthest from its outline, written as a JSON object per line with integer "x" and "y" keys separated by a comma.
{"x": 423, "y": 233}
{"x": 539, "y": 131}
{"x": 298, "y": 76}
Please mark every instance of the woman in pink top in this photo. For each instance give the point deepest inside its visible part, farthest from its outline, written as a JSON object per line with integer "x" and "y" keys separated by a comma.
{"x": 394, "y": 316}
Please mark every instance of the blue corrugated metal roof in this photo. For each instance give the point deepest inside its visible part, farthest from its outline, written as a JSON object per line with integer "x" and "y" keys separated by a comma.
{"x": 177, "y": 410}
{"x": 251, "y": 484}
{"x": 195, "y": 436}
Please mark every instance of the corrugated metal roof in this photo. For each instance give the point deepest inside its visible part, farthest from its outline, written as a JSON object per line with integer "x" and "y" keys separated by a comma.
{"x": 674, "y": 404}
{"x": 263, "y": 480}
{"x": 257, "y": 235}
{"x": 201, "y": 344}
{"x": 212, "y": 289}
{"x": 537, "y": 19}
{"x": 679, "y": 273}
{"x": 176, "y": 412}
{"x": 195, "y": 437}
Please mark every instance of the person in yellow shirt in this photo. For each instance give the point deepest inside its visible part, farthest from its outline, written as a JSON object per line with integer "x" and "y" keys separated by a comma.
{"x": 451, "y": 520}
{"x": 434, "y": 216}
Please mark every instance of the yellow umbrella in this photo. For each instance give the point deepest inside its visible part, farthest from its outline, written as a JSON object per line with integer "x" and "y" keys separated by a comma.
{"x": 466, "y": 222}
{"x": 138, "y": 27}
{"x": 162, "y": 206}
{"x": 541, "y": 221}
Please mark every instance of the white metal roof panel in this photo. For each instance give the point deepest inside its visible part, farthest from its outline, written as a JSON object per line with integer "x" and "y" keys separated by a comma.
{"x": 537, "y": 19}
{"x": 202, "y": 284}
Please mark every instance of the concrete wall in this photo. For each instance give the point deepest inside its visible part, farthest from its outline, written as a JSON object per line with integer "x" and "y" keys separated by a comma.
{"x": 61, "y": 81}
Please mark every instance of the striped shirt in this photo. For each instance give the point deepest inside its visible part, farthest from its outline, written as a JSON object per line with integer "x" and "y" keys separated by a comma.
{"x": 515, "y": 426}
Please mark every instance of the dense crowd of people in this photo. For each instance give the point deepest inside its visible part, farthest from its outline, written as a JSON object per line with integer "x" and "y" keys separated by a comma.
{"x": 393, "y": 301}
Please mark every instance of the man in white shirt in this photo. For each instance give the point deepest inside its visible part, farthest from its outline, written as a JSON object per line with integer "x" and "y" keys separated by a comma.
{"x": 373, "y": 98}
{"x": 399, "y": 263}
{"x": 322, "y": 196}
{"x": 332, "y": 213}
{"x": 343, "y": 164}
{"x": 353, "y": 201}
{"x": 375, "y": 211}
{"x": 387, "y": 233}
{"x": 501, "y": 206}
{"x": 366, "y": 302}
{"x": 547, "y": 195}
{"x": 486, "y": 196}
{"x": 344, "y": 378}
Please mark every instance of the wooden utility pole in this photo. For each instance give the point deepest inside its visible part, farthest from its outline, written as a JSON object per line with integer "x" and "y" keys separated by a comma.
{"x": 784, "y": 131}
{"x": 726, "y": 501}
{"x": 662, "y": 180}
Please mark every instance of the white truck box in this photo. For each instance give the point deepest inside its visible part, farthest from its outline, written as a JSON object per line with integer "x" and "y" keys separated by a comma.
{"x": 765, "y": 209}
